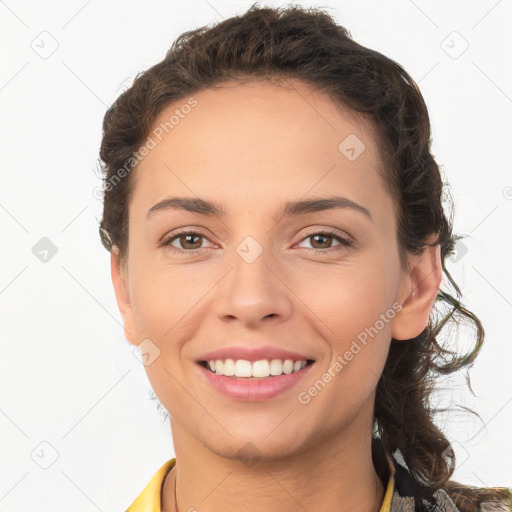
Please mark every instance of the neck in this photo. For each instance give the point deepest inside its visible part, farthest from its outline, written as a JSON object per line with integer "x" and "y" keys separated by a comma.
{"x": 334, "y": 475}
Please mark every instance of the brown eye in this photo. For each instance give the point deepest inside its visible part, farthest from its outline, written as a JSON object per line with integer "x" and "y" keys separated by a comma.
{"x": 195, "y": 241}
{"x": 188, "y": 241}
{"x": 323, "y": 241}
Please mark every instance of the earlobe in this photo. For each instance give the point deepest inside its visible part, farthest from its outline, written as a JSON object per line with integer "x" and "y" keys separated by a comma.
{"x": 121, "y": 289}
{"x": 419, "y": 291}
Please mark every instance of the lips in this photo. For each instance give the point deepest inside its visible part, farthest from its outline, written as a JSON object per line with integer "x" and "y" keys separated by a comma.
{"x": 253, "y": 390}
{"x": 253, "y": 354}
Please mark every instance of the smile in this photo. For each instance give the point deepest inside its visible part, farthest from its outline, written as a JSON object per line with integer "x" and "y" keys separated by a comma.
{"x": 247, "y": 387}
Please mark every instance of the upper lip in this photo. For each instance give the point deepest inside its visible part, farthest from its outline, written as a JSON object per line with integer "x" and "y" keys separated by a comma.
{"x": 253, "y": 353}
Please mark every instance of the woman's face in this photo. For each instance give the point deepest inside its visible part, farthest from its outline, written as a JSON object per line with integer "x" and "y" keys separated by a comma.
{"x": 262, "y": 276}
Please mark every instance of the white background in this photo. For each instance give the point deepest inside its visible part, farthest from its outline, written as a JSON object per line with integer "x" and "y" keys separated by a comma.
{"x": 68, "y": 377}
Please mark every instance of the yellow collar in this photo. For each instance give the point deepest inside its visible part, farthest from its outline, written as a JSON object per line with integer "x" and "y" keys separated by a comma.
{"x": 149, "y": 500}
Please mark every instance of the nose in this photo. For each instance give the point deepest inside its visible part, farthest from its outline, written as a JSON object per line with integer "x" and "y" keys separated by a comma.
{"x": 253, "y": 292}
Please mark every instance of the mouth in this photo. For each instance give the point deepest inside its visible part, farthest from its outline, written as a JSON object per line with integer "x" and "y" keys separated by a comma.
{"x": 254, "y": 381}
{"x": 255, "y": 370}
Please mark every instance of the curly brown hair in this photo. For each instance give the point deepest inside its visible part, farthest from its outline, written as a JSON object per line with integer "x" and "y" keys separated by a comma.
{"x": 308, "y": 45}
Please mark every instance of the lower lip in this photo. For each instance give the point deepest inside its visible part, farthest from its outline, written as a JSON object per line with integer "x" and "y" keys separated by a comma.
{"x": 254, "y": 390}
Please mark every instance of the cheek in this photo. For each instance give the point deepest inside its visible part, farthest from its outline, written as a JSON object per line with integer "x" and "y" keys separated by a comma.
{"x": 353, "y": 311}
{"x": 165, "y": 297}
{"x": 350, "y": 298}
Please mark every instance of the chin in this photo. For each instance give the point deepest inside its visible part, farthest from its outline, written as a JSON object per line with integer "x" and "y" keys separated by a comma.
{"x": 255, "y": 447}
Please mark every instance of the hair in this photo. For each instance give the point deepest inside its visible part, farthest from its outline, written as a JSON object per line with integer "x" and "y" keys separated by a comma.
{"x": 306, "y": 44}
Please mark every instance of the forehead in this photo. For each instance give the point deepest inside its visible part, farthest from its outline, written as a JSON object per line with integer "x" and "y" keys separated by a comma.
{"x": 256, "y": 142}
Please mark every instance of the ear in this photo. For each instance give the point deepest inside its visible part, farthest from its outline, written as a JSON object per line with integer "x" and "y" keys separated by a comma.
{"x": 121, "y": 289}
{"x": 418, "y": 292}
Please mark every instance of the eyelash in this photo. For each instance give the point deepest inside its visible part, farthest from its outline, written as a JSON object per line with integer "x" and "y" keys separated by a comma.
{"x": 344, "y": 242}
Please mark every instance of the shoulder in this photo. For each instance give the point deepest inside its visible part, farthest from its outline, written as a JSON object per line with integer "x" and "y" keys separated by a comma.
{"x": 479, "y": 499}
{"x": 410, "y": 496}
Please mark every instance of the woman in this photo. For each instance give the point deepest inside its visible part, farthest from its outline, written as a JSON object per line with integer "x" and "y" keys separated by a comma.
{"x": 278, "y": 240}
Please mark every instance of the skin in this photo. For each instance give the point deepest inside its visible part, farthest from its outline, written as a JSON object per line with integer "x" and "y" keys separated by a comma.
{"x": 250, "y": 147}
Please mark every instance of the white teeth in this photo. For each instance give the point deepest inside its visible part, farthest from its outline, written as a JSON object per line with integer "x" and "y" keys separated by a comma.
{"x": 243, "y": 368}
{"x": 276, "y": 367}
{"x": 263, "y": 368}
{"x": 260, "y": 368}
{"x": 229, "y": 367}
{"x": 288, "y": 366}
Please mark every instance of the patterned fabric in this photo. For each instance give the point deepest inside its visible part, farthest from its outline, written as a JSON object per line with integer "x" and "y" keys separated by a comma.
{"x": 469, "y": 499}
{"x": 406, "y": 503}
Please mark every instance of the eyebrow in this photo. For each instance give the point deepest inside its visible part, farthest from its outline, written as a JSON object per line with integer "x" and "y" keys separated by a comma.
{"x": 288, "y": 209}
